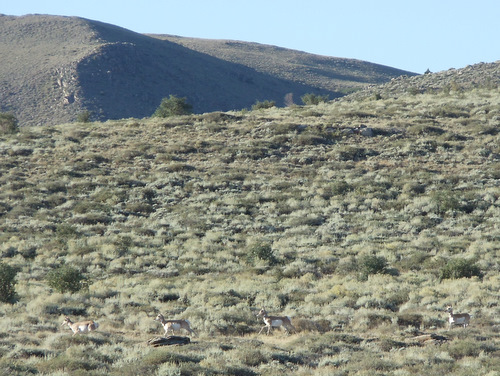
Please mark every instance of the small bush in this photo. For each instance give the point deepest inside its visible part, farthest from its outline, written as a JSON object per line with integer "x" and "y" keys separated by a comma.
{"x": 68, "y": 364}
{"x": 340, "y": 187}
{"x": 83, "y": 117}
{"x": 410, "y": 319}
{"x": 460, "y": 268}
{"x": 248, "y": 357}
{"x": 445, "y": 201}
{"x": 351, "y": 153}
{"x": 7, "y": 283}
{"x": 372, "y": 265}
{"x": 263, "y": 105}
{"x": 262, "y": 251}
{"x": 66, "y": 231}
{"x": 462, "y": 349}
{"x": 66, "y": 279}
{"x": 173, "y": 106}
{"x": 313, "y": 99}
{"x": 388, "y": 344}
{"x": 8, "y": 123}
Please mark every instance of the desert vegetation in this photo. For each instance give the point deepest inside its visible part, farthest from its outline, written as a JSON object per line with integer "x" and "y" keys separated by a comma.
{"x": 172, "y": 106}
{"x": 360, "y": 219}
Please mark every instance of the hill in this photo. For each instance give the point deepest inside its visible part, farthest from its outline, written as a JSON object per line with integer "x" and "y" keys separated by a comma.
{"x": 482, "y": 75}
{"x": 329, "y": 73}
{"x": 54, "y": 68}
{"x": 360, "y": 219}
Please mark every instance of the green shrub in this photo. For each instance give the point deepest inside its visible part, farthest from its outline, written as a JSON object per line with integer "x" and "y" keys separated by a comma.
{"x": 466, "y": 348}
{"x": 83, "y": 117}
{"x": 372, "y": 265}
{"x": 16, "y": 367}
{"x": 173, "y": 106}
{"x": 68, "y": 364}
{"x": 410, "y": 319}
{"x": 263, "y": 105}
{"x": 445, "y": 201}
{"x": 340, "y": 187}
{"x": 66, "y": 231}
{"x": 7, "y": 283}
{"x": 250, "y": 357}
{"x": 66, "y": 279}
{"x": 351, "y": 153}
{"x": 8, "y": 123}
{"x": 313, "y": 99}
{"x": 262, "y": 251}
{"x": 460, "y": 268}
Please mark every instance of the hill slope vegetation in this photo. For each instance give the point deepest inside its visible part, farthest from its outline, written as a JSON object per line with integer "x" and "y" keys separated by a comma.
{"x": 54, "y": 68}
{"x": 360, "y": 219}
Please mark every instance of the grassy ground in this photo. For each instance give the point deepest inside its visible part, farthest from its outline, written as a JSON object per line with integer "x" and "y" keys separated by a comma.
{"x": 348, "y": 230}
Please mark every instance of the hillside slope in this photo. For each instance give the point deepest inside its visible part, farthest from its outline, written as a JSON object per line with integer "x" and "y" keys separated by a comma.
{"x": 330, "y": 73}
{"x": 360, "y": 219}
{"x": 481, "y": 75}
{"x": 54, "y": 68}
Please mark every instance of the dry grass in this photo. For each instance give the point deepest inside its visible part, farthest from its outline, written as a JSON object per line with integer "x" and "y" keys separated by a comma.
{"x": 211, "y": 218}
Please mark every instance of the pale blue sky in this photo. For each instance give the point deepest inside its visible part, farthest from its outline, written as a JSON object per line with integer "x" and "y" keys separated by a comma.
{"x": 405, "y": 34}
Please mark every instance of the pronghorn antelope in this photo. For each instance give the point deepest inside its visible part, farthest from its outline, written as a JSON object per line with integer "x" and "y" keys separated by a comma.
{"x": 174, "y": 325}
{"x": 457, "y": 318}
{"x": 275, "y": 321}
{"x": 81, "y": 326}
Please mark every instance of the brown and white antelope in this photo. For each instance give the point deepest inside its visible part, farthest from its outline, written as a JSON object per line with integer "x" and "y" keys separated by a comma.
{"x": 81, "y": 326}
{"x": 174, "y": 325}
{"x": 275, "y": 322}
{"x": 457, "y": 318}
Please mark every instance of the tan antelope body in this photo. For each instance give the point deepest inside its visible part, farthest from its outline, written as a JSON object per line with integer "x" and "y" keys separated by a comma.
{"x": 457, "y": 318}
{"x": 275, "y": 322}
{"x": 81, "y": 326}
{"x": 174, "y": 325}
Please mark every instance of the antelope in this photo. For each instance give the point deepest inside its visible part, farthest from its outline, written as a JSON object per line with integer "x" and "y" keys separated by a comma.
{"x": 457, "y": 318}
{"x": 174, "y": 325}
{"x": 81, "y": 326}
{"x": 275, "y": 321}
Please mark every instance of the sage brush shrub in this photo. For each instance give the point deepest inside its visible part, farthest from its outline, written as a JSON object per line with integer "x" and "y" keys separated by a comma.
{"x": 312, "y": 99}
{"x": 263, "y": 105}
{"x": 460, "y": 268}
{"x": 7, "y": 283}
{"x": 66, "y": 279}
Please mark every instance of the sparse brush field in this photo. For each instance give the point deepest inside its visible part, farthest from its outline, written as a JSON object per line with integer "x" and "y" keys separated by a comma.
{"x": 362, "y": 236}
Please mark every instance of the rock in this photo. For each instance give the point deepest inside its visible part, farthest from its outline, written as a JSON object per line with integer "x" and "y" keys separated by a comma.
{"x": 168, "y": 341}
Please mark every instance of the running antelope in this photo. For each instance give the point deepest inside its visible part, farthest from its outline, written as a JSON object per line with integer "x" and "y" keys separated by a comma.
{"x": 457, "y": 318}
{"x": 81, "y": 326}
{"x": 174, "y": 325}
{"x": 275, "y": 322}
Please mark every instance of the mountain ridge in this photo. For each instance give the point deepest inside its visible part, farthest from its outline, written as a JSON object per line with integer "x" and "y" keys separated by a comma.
{"x": 56, "y": 67}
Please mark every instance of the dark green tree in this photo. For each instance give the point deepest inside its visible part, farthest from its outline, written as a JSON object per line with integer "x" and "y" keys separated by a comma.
{"x": 66, "y": 279}
{"x": 173, "y": 106}
{"x": 7, "y": 283}
{"x": 8, "y": 123}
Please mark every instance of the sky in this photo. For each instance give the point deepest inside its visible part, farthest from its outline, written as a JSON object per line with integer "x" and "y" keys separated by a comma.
{"x": 405, "y": 34}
